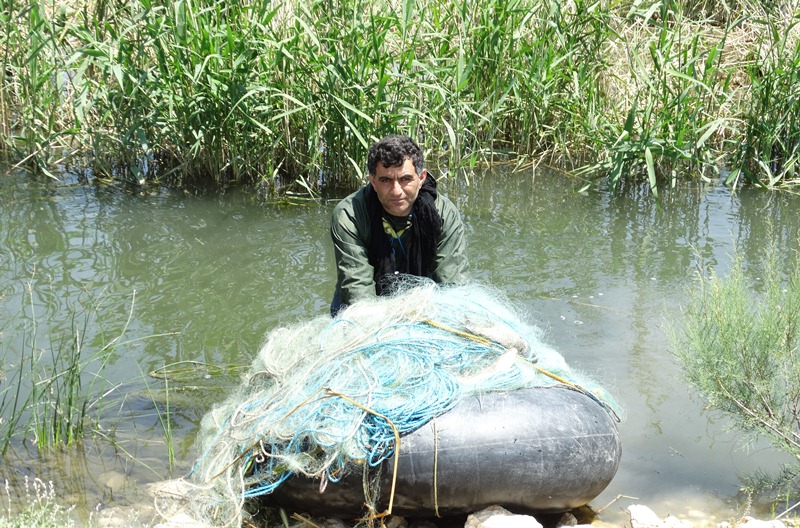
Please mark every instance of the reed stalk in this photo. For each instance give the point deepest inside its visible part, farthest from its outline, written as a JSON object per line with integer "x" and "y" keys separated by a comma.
{"x": 164, "y": 414}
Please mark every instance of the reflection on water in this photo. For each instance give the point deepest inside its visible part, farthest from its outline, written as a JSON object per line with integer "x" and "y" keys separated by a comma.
{"x": 204, "y": 278}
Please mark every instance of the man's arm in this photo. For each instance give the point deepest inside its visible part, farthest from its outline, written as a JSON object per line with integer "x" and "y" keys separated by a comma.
{"x": 349, "y": 228}
{"x": 450, "y": 264}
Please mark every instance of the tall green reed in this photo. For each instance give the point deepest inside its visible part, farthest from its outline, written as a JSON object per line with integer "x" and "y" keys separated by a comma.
{"x": 770, "y": 151}
{"x": 293, "y": 93}
{"x": 58, "y": 390}
{"x": 173, "y": 83}
{"x": 561, "y": 99}
{"x": 203, "y": 89}
{"x": 678, "y": 89}
{"x": 33, "y": 89}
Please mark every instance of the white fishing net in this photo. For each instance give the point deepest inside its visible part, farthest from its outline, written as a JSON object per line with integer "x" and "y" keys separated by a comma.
{"x": 327, "y": 396}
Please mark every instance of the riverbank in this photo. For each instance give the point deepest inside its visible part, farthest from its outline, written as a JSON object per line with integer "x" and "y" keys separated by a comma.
{"x": 639, "y": 516}
{"x": 164, "y": 505}
{"x": 167, "y": 509}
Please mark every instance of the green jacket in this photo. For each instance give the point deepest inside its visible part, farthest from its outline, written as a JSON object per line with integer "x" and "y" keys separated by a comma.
{"x": 350, "y": 232}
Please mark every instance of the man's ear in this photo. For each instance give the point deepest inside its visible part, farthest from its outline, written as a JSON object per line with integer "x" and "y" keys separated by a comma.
{"x": 422, "y": 175}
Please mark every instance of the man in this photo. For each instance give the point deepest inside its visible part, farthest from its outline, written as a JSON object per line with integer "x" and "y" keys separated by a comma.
{"x": 397, "y": 224}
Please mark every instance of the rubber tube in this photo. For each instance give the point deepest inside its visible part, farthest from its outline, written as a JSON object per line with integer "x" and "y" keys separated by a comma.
{"x": 533, "y": 450}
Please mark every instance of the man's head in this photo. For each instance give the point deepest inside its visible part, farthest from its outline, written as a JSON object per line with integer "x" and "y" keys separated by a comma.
{"x": 392, "y": 151}
{"x": 396, "y": 172}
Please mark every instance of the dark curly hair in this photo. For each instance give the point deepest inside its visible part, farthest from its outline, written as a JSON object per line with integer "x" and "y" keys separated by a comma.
{"x": 392, "y": 151}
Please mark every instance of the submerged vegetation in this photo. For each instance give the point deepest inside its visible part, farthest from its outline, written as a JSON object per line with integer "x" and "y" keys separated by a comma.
{"x": 293, "y": 92}
{"x": 47, "y": 400}
{"x": 738, "y": 343}
{"x": 56, "y": 393}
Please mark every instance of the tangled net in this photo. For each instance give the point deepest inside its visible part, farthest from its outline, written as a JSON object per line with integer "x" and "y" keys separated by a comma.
{"x": 325, "y": 397}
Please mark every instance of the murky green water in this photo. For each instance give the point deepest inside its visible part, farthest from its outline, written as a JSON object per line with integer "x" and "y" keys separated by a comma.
{"x": 204, "y": 278}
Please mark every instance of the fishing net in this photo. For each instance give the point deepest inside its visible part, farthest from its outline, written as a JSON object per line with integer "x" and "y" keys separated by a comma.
{"x": 327, "y": 396}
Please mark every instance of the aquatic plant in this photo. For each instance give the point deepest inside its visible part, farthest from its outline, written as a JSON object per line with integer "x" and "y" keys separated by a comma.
{"x": 736, "y": 338}
{"x": 675, "y": 92}
{"x": 34, "y": 119}
{"x": 47, "y": 398}
{"x": 293, "y": 93}
{"x": 164, "y": 415}
{"x": 58, "y": 392}
{"x": 770, "y": 151}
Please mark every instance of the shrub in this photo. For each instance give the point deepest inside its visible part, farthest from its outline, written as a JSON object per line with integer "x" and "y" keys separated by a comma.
{"x": 737, "y": 340}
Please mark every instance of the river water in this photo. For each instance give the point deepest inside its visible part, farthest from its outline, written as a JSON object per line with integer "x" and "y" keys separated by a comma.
{"x": 176, "y": 276}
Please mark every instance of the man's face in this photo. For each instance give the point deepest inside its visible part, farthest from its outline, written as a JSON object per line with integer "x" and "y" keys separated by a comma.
{"x": 397, "y": 187}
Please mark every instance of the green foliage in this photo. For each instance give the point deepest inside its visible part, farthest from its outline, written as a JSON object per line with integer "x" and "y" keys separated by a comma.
{"x": 41, "y": 509}
{"x": 737, "y": 339}
{"x": 294, "y": 92}
{"x": 771, "y": 150}
{"x": 31, "y": 89}
{"x": 47, "y": 398}
{"x": 675, "y": 111}
{"x": 57, "y": 388}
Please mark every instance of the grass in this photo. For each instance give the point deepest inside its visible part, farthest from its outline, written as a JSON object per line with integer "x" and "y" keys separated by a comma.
{"x": 41, "y": 509}
{"x": 51, "y": 398}
{"x": 58, "y": 391}
{"x": 737, "y": 339}
{"x": 770, "y": 152}
{"x": 674, "y": 111}
{"x": 293, "y": 93}
{"x": 164, "y": 415}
